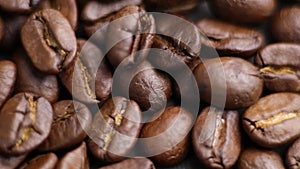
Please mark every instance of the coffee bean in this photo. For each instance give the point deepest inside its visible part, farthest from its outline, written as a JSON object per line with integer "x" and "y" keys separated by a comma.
{"x": 243, "y": 84}
{"x": 54, "y": 45}
{"x": 67, "y": 7}
{"x": 132, "y": 163}
{"x": 279, "y": 65}
{"x": 255, "y": 158}
{"x": 293, "y": 155}
{"x": 273, "y": 120}
{"x": 285, "y": 24}
{"x": 19, "y": 6}
{"x": 103, "y": 81}
{"x": 217, "y": 138}
{"x": 115, "y": 129}
{"x": 170, "y": 6}
{"x": 75, "y": 159}
{"x": 170, "y": 128}
{"x": 229, "y": 39}
{"x": 29, "y": 79}
{"x": 70, "y": 121}
{"x": 8, "y": 75}
{"x": 25, "y": 123}
{"x": 44, "y": 161}
{"x": 11, "y": 161}
{"x": 245, "y": 12}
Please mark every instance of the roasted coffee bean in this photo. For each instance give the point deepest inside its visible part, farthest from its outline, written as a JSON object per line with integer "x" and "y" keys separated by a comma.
{"x": 241, "y": 11}
{"x": 147, "y": 86}
{"x": 19, "y": 6}
{"x": 29, "y": 79}
{"x": 171, "y": 6}
{"x": 8, "y": 76}
{"x": 70, "y": 121}
{"x": 217, "y": 138}
{"x": 75, "y": 159}
{"x": 293, "y": 155}
{"x": 103, "y": 81}
{"x": 54, "y": 44}
{"x": 44, "y": 161}
{"x": 280, "y": 66}
{"x": 25, "y": 123}
{"x": 125, "y": 37}
{"x": 243, "y": 84}
{"x": 67, "y": 7}
{"x": 285, "y": 24}
{"x": 115, "y": 129}
{"x": 255, "y": 159}
{"x": 11, "y": 161}
{"x": 273, "y": 120}
{"x": 229, "y": 39}
{"x": 132, "y": 163}
{"x": 94, "y": 10}
{"x": 170, "y": 128}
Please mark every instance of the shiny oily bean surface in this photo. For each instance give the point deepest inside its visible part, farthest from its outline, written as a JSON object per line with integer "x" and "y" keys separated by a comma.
{"x": 115, "y": 129}
{"x": 280, "y": 66}
{"x": 243, "y": 84}
{"x": 71, "y": 120}
{"x": 293, "y": 155}
{"x": 171, "y": 6}
{"x": 44, "y": 161}
{"x": 217, "y": 138}
{"x": 132, "y": 163}
{"x": 19, "y": 6}
{"x": 170, "y": 127}
{"x": 273, "y": 120}
{"x": 49, "y": 41}
{"x": 8, "y": 76}
{"x": 230, "y": 39}
{"x": 252, "y": 158}
{"x": 25, "y": 123}
{"x": 241, "y": 11}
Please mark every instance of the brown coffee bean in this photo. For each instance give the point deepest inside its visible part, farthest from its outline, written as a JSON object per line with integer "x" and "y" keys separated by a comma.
{"x": 103, "y": 81}
{"x": 20, "y": 6}
{"x": 132, "y": 163}
{"x": 169, "y": 131}
{"x": 273, "y": 120}
{"x": 75, "y": 159}
{"x": 245, "y": 12}
{"x": 285, "y": 24}
{"x": 67, "y": 7}
{"x": 29, "y": 79}
{"x": 280, "y": 66}
{"x": 54, "y": 44}
{"x": 44, "y": 161}
{"x": 243, "y": 84}
{"x": 172, "y": 6}
{"x": 25, "y": 123}
{"x": 255, "y": 159}
{"x": 11, "y": 161}
{"x": 217, "y": 138}
{"x": 115, "y": 129}
{"x": 8, "y": 75}
{"x": 229, "y": 39}
{"x": 71, "y": 120}
{"x": 293, "y": 155}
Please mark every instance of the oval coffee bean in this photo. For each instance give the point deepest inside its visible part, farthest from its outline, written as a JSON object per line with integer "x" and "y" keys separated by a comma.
{"x": 172, "y": 6}
{"x": 29, "y": 79}
{"x": 293, "y": 155}
{"x": 273, "y": 120}
{"x": 243, "y": 84}
{"x": 71, "y": 120}
{"x": 255, "y": 159}
{"x": 132, "y": 163}
{"x": 75, "y": 159}
{"x": 11, "y": 161}
{"x": 229, "y": 39}
{"x": 285, "y": 25}
{"x": 8, "y": 76}
{"x": 115, "y": 129}
{"x": 45, "y": 161}
{"x": 19, "y": 6}
{"x": 25, "y": 123}
{"x": 49, "y": 41}
{"x": 280, "y": 66}
{"x": 241, "y": 11}
{"x": 217, "y": 138}
{"x": 169, "y": 136}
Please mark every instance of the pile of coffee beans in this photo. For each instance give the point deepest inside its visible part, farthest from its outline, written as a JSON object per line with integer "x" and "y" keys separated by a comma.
{"x": 145, "y": 84}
